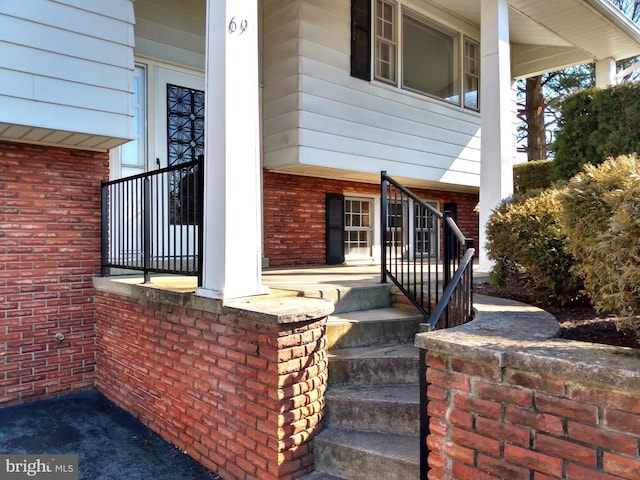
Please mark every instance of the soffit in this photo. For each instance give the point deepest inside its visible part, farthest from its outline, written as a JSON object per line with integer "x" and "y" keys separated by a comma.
{"x": 560, "y": 32}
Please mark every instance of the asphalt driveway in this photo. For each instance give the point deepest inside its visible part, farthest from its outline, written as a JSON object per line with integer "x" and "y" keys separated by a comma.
{"x": 110, "y": 443}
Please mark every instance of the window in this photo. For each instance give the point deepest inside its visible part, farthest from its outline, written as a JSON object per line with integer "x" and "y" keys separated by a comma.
{"x": 428, "y": 60}
{"x": 426, "y": 240}
{"x": 385, "y": 58}
{"x": 471, "y": 74}
{"x": 420, "y": 55}
{"x": 357, "y": 227}
{"x": 134, "y": 153}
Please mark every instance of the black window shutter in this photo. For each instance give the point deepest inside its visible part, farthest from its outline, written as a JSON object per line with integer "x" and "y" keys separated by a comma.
{"x": 361, "y": 39}
{"x": 335, "y": 228}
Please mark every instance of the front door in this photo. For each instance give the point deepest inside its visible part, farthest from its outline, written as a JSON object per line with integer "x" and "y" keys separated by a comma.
{"x": 179, "y": 138}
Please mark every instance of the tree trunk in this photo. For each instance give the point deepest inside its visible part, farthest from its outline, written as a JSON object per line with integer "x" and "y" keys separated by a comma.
{"x": 534, "y": 111}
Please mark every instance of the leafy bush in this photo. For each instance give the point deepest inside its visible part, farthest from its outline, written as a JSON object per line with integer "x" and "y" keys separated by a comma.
{"x": 596, "y": 124}
{"x": 573, "y": 148}
{"x": 601, "y": 215}
{"x": 531, "y": 176}
{"x": 527, "y": 244}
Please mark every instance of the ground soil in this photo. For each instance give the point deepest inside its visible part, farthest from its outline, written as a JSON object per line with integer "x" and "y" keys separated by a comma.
{"x": 578, "y": 320}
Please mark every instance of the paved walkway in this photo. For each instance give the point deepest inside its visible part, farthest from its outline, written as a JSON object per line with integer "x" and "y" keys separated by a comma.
{"x": 111, "y": 443}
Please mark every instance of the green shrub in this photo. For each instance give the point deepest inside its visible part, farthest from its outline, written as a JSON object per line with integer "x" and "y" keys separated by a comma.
{"x": 596, "y": 124}
{"x": 601, "y": 215}
{"x": 527, "y": 244}
{"x": 573, "y": 147}
{"x": 532, "y": 176}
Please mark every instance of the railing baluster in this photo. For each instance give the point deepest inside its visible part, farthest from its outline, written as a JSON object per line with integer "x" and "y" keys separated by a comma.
{"x": 452, "y": 295}
{"x": 137, "y": 222}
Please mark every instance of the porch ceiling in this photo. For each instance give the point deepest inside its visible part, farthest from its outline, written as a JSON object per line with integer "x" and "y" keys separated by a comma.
{"x": 550, "y": 34}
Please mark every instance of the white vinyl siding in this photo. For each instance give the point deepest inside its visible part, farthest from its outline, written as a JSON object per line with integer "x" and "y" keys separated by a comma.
{"x": 280, "y": 79}
{"x": 172, "y": 31}
{"x": 66, "y": 73}
{"x": 354, "y": 127}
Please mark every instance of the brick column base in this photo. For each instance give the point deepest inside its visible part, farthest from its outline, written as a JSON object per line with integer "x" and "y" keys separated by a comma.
{"x": 239, "y": 389}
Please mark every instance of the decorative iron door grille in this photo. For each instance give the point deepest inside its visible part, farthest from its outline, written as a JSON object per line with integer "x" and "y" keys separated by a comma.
{"x": 185, "y": 143}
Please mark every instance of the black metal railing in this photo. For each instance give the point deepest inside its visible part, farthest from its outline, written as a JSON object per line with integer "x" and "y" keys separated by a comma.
{"x": 442, "y": 291}
{"x": 152, "y": 222}
{"x": 411, "y": 231}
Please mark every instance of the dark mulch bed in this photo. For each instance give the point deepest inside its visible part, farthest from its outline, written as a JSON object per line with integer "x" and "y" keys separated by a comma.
{"x": 578, "y": 320}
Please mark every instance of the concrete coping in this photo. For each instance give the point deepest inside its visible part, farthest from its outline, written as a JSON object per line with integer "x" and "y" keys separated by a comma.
{"x": 510, "y": 334}
{"x": 277, "y": 307}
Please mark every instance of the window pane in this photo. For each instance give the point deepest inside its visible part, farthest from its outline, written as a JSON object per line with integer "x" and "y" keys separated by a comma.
{"x": 471, "y": 74}
{"x": 429, "y": 60}
{"x": 385, "y": 45}
{"x": 134, "y": 152}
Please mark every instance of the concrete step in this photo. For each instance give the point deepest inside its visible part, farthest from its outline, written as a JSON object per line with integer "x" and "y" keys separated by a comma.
{"x": 377, "y": 408}
{"x": 320, "y": 476}
{"x": 351, "y": 299}
{"x": 380, "y": 326}
{"x": 388, "y": 365}
{"x": 355, "y": 455}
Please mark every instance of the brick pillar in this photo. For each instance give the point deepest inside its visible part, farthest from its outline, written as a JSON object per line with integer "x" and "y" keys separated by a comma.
{"x": 241, "y": 390}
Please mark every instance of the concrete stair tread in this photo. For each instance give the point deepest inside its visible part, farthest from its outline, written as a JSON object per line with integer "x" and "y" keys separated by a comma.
{"x": 404, "y": 350}
{"x": 373, "y": 315}
{"x": 376, "y": 326}
{"x": 358, "y": 455}
{"x": 320, "y": 476}
{"x": 407, "y": 393}
{"x": 400, "y": 447}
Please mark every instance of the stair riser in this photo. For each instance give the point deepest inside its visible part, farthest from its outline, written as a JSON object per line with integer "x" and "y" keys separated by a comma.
{"x": 350, "y": 335}
{"x": 351, "y": 414}
{"x": 353, "y": 299}
{"x": 360, "y": 465}
{"x": 373, "y": 371}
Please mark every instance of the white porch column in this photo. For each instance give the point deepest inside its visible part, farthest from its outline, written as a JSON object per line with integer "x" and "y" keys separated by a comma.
{"x": 498, "y": 116}
{"x": 605, "y": 73}
{"x": 232, "y": 264}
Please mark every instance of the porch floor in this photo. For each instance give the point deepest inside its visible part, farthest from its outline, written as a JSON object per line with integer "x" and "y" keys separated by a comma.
{"x": 292, "y": 278}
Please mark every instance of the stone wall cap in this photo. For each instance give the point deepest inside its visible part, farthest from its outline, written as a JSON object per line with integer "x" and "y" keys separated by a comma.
{"x": 278, "y": 307}
{"x": 510, "y": 334}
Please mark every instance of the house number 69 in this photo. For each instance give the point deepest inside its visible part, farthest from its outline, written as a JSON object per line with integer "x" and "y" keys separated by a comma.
{"x": 233, "y": 26}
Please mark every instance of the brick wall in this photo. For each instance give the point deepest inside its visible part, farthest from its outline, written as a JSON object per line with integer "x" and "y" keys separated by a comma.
{"x": 294, "y": 215}
{"x": 49, "y": 252}
{"x": 491, "y": 422}
{"x": 241, "y": 396}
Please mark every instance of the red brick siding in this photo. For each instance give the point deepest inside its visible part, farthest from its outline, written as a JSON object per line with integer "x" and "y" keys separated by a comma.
{"x": 494, "y": 423}
{"x": 49, "y": 252}
{"x": 241, "y": 397}
{"x": 294, "y": 215}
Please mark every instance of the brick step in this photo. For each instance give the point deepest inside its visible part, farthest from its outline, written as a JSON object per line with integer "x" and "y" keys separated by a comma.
{"x": 377, "y": 408}
{"x": 387, "y": 365}
{"x": 355, "y": 455}
{"x": 380, "y": 326}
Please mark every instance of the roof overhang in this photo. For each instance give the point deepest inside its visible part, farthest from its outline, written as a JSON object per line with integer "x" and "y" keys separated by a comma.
{"x": 548, "y": 35}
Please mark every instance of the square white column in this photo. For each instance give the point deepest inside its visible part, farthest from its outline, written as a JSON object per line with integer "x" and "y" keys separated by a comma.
{"x": 605, "y": 73}
{"x": 498, "y": 129}
{"x": 232, "y": 230}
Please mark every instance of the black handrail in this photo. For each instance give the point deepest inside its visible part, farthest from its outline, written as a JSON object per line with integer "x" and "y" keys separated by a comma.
{"x": 151, "y": 222}
{"x": 408, "y": 230}
{"x": 418, "y": 279}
